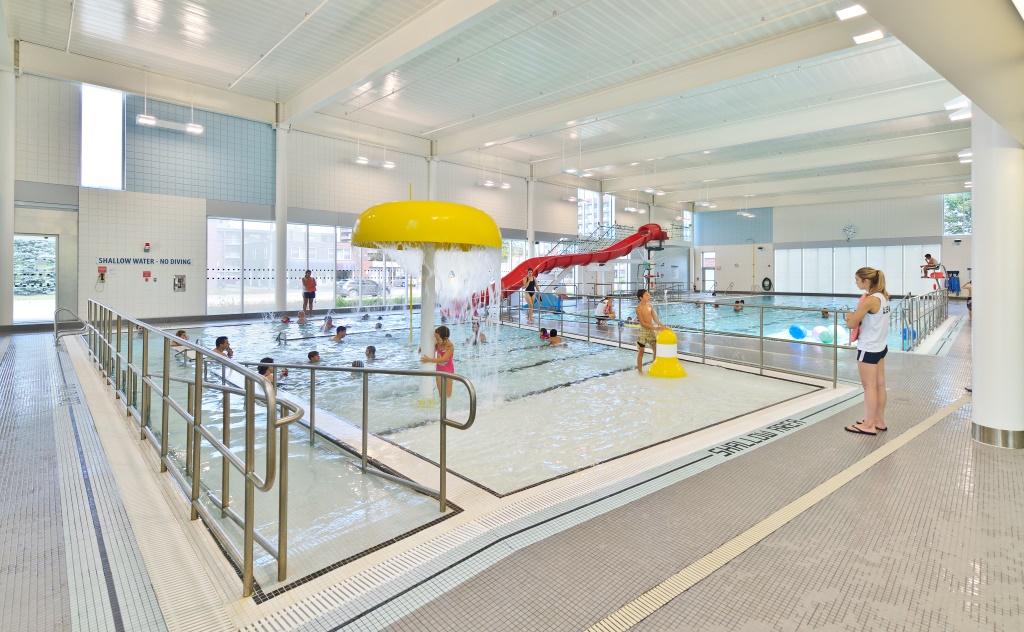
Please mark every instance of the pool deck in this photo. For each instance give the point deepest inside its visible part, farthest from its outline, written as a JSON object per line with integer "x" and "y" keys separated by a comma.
{"x": 778, "y": 521}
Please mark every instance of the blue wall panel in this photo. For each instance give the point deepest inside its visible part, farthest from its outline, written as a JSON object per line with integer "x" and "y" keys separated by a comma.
{"x": 232, "y": 160}
{"x": 725, "y": 228}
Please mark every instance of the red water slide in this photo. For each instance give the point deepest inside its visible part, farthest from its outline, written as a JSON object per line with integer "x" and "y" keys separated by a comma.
{"x": 645, "y": 234}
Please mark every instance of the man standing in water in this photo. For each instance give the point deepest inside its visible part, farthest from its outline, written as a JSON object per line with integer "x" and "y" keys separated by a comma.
{"x": 648, "y": 329}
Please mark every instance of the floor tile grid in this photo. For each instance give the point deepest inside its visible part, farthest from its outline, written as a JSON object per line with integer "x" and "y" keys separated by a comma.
{"x": 591, "y": 584}
{"x": 33, "y": 572}
{"x": 191, "y": 578}
{"x": 939, "y": 550}
{"x": 136, "y": 597}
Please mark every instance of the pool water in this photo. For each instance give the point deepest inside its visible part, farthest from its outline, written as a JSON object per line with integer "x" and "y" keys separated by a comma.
{"x": 542, "y": 411}
{"x": 777, "y": 322}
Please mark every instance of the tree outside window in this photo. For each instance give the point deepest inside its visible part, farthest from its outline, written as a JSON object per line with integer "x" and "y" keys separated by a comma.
{"x": 956, "y": 214}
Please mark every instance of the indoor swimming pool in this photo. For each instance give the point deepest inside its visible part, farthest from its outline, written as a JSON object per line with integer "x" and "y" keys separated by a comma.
{"x": 543, "y": 412}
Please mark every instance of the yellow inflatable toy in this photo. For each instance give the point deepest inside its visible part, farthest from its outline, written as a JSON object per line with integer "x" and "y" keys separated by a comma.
{"x": 666, "y": 363}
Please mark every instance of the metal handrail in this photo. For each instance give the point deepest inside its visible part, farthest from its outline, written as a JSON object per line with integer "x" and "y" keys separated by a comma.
{"x": 441, "y": 492}
{"x": 57, "y": 335}
{"x": 105, "y": 329}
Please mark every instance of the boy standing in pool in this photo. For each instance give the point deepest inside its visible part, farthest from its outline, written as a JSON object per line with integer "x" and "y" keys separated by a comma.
{"x": 649, "y": 328}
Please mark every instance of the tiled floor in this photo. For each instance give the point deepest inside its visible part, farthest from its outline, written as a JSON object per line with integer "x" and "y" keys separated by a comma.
{"x": 929, "y": 537}
{"x": 70, "y": 560}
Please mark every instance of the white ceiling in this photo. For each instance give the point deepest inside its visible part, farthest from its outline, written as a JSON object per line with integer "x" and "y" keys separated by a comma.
{"x": 745, "y": 93}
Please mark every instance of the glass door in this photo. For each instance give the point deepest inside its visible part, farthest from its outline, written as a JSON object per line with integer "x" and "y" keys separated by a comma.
{"x": 708, "y": 271}
{"x": 35, "y": 278}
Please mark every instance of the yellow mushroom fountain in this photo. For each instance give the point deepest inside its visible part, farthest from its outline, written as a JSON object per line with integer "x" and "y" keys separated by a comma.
{"x": 440, "y": 232}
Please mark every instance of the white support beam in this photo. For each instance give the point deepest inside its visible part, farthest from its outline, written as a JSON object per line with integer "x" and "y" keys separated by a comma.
{"x": 334, "y": 127}
{"x": 924, "y": 144}
{"x": 954, "y": 185}
{"x": 436, "y": 24}
{"x": 6, "y": 51}
{"x": 760, "y": 57}
{"x": 977, "y": 46}
{"x": 47, "y": 62}
{"x": 891, "y": 105}
{"x": 922, "y": 173}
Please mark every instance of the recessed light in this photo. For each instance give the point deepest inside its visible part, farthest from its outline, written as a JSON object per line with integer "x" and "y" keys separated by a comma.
{"x": 965, "y": 161}
{"x": 850, "y": 12}
{"x": 868, "y": 37}
{"x": 967, "y": 153}
{"x": 633, "y": 164}
{"x": 707, "y": 151}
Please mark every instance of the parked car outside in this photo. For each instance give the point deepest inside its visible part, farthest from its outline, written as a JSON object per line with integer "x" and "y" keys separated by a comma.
{"x": 350, "y": 287}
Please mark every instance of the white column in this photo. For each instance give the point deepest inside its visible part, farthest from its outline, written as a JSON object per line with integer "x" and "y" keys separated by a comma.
{"x": 998, "y": 231}
{"x": 7, "y": 140}
{"x": 428, "y": 292}
{"x": 281, "y": 222}
{"x": 531, "y": 215}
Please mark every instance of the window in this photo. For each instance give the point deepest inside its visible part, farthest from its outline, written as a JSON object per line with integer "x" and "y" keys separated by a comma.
{"x": 593, "y": 210}
{"x": 102, "y": 138}
{"x": 956, "y": 214}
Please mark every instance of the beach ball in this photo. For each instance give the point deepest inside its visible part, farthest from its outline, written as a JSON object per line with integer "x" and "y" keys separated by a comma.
{"x": 797, "y": 332}
{"x": 816, "y": 332}
{"x": 826, "y": 337}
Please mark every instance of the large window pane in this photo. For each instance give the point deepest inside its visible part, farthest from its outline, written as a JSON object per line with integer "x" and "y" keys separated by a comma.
{"x": 223, "y": 266}
{"x": 258, "y": 272}
{"x": 296, "y": 264}
{"x": 322, "y": 249}
{"x": 102, "y": 138}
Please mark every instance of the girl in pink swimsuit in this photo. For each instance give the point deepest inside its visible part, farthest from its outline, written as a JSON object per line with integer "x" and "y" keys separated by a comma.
{"x": 444, "y": 359}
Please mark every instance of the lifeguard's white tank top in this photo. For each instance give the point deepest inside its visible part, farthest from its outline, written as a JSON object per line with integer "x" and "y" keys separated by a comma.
{"x": 875, "y": 327}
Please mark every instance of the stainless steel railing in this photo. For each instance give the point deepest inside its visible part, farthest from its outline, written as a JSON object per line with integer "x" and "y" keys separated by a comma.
{"x": 59, "y": 333}
{"x": 128, "y": 373}
{"x": 441, "y": 492}
{"x": 925, "y": 312}
{"x": 919, "y": 316}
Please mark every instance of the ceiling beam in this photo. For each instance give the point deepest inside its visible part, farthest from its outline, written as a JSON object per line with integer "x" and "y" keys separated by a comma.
{"x": 56, "y": 64}
{"x": 977, "y": 46}
{"x": 889, "y": 105}
{"x": 921, "y": 173}
{"x": 759, "y": 57}
{"x": 921, "y": 145}
{"x": 953, "y": 185}
{"x": 436, "y": 24}
{"x": 334, "y": 127}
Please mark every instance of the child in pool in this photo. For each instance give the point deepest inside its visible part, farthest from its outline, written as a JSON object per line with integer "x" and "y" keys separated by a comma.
{"x": 544, "y": 335}
{"x": 444, "y": 359}
{"x": 554, "y": 339}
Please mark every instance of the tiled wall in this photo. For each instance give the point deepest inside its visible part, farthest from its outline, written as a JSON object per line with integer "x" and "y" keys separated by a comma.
{"x": 117, "y": 224}
{"x": 876, "y": 219}
{"x": 724, "y": 228}
{"x": 552, "y": 214}
{"x": 49, "y": 120}
{"x": 233, "y": 159}
{"x": 456, "y": 183}
{"x": 322, "y": 176}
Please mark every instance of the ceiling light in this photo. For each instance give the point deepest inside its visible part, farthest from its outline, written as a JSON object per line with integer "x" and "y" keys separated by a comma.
{"x": 967, "y": 153}
{"x": 587, "y": 175}
{"x": 494, "y": 184}
{"x": 194, "y": 128}
{"x": 633, "y": 164}
{"x": 962, "y": 114}
{"x": 145, "y": 119}
{"x": 743, "y": 213}
{"x": 868, "y": 37}
{"x": 850, "y": 12}
{"x": 707, "y": 151}
{"x": 965, "y": 161}
{"x": 570, "y": 198}
{"x": 969, "y": 184}
{"x": 957, "y": 103}
{"x": 712, "y": 205}
{"x": 568, "y": 170}
{"x": 379, "y": 164}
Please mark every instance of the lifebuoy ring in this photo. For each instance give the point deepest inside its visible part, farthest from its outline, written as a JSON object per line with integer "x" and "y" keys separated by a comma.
{"x": 766, "y": 284}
